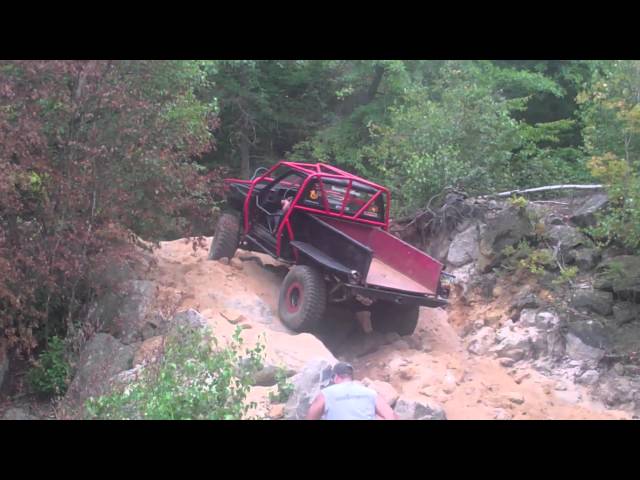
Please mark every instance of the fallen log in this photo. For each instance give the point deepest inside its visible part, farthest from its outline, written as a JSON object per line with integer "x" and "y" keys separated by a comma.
{"x": 545, "y": 189}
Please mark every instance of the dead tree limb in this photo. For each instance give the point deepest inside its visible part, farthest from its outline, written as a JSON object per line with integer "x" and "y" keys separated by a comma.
{"x": 545, "y": 189}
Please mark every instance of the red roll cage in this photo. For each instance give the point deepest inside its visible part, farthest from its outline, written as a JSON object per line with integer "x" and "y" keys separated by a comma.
{"x": 319, "y": 171}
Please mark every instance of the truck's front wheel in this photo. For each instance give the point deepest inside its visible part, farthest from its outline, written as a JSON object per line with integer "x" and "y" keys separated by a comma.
{"x": 387, "y": 317}
{"x": 303, "y": 298}
{"x": 226, "y": 238}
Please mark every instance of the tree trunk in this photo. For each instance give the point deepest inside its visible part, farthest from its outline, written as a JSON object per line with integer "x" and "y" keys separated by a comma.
{"x": 245, "y": 165}
{"x": 364, "y": 97}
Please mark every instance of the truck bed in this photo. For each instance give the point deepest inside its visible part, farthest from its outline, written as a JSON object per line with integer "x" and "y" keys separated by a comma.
{"x": 385, "y": 276}
{"x": 394, "y": 264}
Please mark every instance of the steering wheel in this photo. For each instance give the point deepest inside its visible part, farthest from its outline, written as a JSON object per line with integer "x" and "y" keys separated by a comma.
{"x": 286, "y": 192}
{"x": 272, "y": 197}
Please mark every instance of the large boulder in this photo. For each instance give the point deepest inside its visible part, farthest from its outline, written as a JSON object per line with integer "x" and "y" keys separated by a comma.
{"x": 101, "y": 359}
{"x": 438, "y": 245}
{"x": 252, "y": 306}
{"x": 626, "y": 312}
{"x": 584, "y": 258}
{"x": 306, "y": 385}
{"x": 545, "y": 332}
{"x": 619, "y": 391}
{"x": 591, "y": 329}
{"x": 464, "y": 281}
{"x": 514, "y": 343}
{"x": 133, "y": 266}
{"x": 14, "y": 413}
{"x": 540, "y": 319}
{"x": 625, "y": 339}
{"x": 585, "y": 215}
{"x": 589, "y": 377}
{"x": 294, "y": 353}
{"x": 526, "y": 298}
{"x": 464, "y": 247}
{"x": 620, "y": 274}
{"x": 482, "y": 341}
{"x": 577, "y": 350}
{"x": 190, "y": 319}
{"x": 124, "y": 312}
{"x": 566, "y": 238}
{"x": 506, "y": 229}
{"x": 268, "y": 375}
{"x": 407, "y": 409}
{"x": 384, "y": 389}
{"x": 593, "y": 300}
{"x": 149, "y": 351}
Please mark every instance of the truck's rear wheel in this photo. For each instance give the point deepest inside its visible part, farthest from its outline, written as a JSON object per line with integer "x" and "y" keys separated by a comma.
{"x": 389, "y": 317}
{"x": 227, "y": 237}
{"x": 303, "y": 298}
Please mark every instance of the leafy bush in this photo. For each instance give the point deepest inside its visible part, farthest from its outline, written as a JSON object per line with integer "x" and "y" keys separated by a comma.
{"x": 195, "y": 379}
{"x": 88, "y": 149}
{"x": 285, "y": 388}
{"x": 52, "y": 372}
{"x": 611, "y": 115}
{"x": 622, "y": 220}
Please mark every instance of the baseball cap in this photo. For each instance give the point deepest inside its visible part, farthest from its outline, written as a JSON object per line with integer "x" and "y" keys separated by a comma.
{"x": 343, "y": 369}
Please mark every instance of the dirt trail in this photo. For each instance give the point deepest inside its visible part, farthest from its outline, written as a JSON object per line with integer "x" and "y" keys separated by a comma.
{"x": 468, "y": 387}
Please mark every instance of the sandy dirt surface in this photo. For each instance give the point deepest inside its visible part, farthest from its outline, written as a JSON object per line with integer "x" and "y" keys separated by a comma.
{"x": 474, "y": 387}
{"x": 245, "y": 293}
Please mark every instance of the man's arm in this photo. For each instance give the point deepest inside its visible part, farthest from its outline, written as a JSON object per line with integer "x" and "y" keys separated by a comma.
{"x": 317, "y": 408}
{"x": 384, "y": 410}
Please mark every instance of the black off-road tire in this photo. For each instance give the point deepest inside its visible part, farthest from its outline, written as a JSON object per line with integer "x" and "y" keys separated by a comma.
{"x": 227, "y": 237}
{"x": 303, "y": 298}
{"x": 387, "y": 317}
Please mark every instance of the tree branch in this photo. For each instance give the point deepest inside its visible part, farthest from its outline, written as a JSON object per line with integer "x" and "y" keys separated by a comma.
{"x": 547, "y": 188}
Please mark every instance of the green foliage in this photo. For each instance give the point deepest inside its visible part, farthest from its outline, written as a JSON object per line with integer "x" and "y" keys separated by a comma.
{"x": 518, "y": 201}
{"x": 195, "y": 379}
{"x": 51, "y": 374}
{"x": 611, "y": 112}
{"x": 285, "y": 388}
{"x": 621, "y": 222}
{"x": 537, "y": 261}
{"x": 567, "y": 275}
{"x": 442, "y": 124}
{"x": 88, "y": 149}
{"x": 613, "y": 272}
{"x": 525, "y": 258}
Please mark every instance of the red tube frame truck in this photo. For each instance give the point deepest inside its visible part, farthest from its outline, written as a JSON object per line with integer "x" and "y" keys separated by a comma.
{"x": 331, "y": 227}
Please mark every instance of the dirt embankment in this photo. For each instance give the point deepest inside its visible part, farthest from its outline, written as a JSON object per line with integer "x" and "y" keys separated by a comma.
{"x": 434, "y": 365}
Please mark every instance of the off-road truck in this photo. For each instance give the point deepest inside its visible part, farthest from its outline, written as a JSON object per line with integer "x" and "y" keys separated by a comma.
{"x": 331, "y": 228}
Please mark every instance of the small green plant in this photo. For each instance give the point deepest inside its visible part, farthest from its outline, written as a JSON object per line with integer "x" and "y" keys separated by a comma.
{"x": 567, "y": 275}
{"x": 518, "y": 201}
{"x": 285, "y": 388}
{"x": 537, "y": 261}
{"x": 195, "y": 379}
{"x": 615, "y": 270}
{"x": 51, "y": 374}
{"x": 612, "y": 273}
{"x": 523, "y": 257}
{"x": 512, "y": 254}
